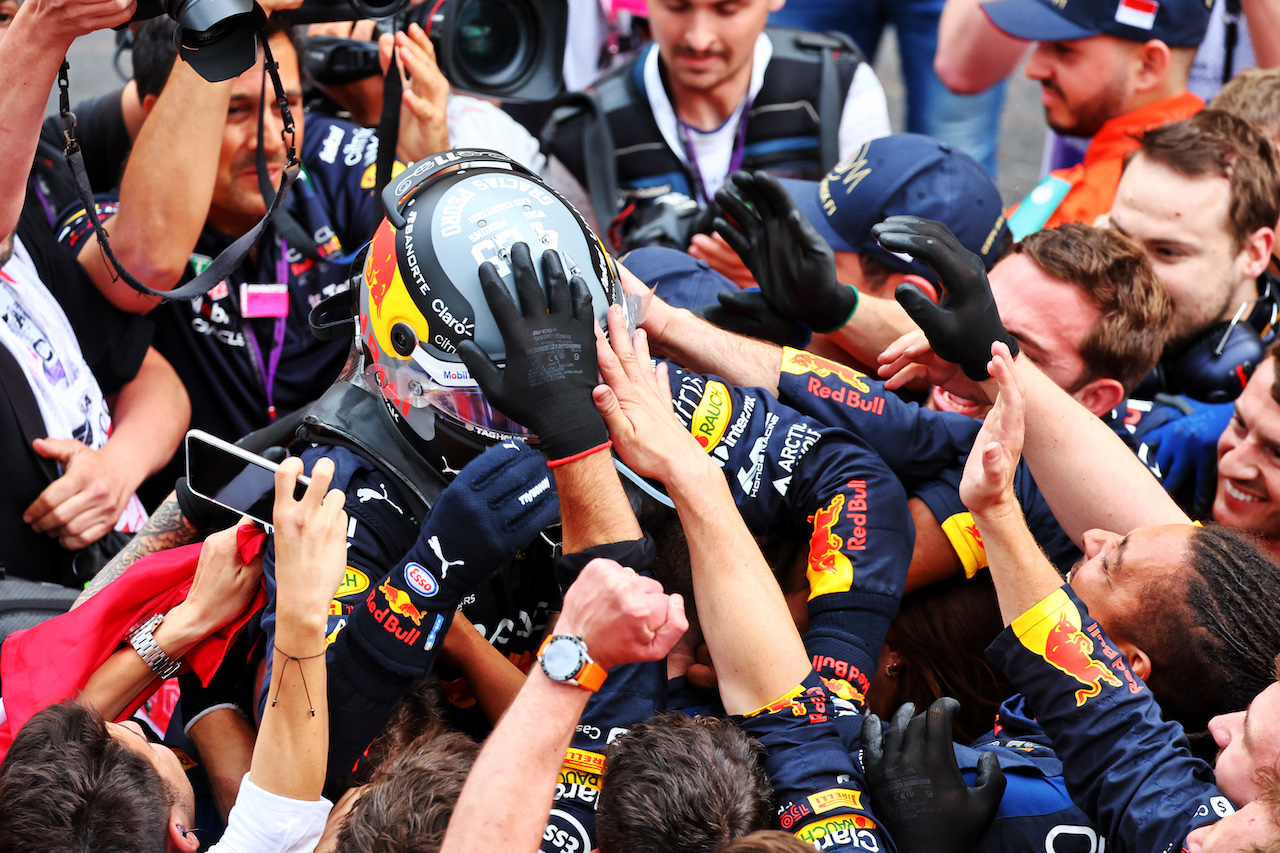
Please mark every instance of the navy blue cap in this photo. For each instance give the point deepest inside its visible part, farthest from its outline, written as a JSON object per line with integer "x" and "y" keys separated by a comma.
{"x": 1177, "y": 23}
{"x": 905, "y": 173}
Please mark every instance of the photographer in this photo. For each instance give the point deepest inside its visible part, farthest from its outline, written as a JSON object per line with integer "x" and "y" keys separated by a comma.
{"x": 192, "y": 177}
{"x": 455, "y": 120}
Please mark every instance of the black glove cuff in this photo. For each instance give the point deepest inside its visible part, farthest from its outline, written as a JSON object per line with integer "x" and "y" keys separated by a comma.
{"x": 569, "y": 425}
{"x": 840, "y": 308}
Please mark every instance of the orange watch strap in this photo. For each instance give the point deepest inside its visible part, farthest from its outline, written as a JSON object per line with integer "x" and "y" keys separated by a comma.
{"x": 592, "y": 676}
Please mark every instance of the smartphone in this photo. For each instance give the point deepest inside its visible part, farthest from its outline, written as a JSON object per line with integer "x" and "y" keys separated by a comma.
{"x": 232, "y": 477}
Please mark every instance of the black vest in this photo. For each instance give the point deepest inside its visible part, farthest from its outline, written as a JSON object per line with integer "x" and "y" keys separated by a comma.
{"x": 802, "y": 95}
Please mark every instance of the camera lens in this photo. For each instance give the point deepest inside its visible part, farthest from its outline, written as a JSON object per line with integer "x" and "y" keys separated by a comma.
{"x": 495, "y": 40}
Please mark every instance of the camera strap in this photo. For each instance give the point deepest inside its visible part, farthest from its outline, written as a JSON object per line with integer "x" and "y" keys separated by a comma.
{"x": 230, "y": 258}
{"x": 286, "y": 226}
{"x": 388, "y": 125}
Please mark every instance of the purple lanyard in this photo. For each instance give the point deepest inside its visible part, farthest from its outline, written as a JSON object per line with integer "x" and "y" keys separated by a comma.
{"x": 735, "y": 159}
{"x": 272, "y": 361}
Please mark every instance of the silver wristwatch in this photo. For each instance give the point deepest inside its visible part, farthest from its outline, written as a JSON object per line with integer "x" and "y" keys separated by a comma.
{"x": 142, "y": 638}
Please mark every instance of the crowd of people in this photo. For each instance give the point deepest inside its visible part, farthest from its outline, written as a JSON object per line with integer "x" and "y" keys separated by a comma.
{"x": 694, "y": 464}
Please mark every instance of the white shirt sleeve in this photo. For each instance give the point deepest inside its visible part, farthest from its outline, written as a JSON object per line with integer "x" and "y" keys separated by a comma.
{"x": 262, "y": 822}
{"x": 866, "y": 112}
{"x": 474, "y": 123}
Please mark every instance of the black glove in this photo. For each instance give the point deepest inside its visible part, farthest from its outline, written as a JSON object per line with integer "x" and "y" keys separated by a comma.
{"x": 551, "y": 356}
{"x": 964, "y": 324}
{"x": 915, "y": 783}
{"x": 747, "y": 312}
{"x": 793, "y": 265}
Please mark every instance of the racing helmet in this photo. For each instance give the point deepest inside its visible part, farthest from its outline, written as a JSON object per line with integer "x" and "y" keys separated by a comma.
{"x": 421, "y": 295}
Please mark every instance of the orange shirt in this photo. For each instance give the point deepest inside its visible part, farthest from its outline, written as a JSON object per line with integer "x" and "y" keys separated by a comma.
{"x": 1094, "y": 181}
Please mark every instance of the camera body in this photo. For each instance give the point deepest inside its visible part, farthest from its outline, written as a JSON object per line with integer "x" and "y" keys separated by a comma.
{"x": 507, "y": 49}
{"x": 218, "y": 38}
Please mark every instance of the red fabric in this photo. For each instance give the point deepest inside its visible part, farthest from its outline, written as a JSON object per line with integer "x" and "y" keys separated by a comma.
{"x": 1094, "y": 182}
{"x": 54, "y": 660}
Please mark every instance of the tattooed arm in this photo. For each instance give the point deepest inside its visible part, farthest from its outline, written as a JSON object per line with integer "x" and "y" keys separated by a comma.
{"x": 167, "y": 528}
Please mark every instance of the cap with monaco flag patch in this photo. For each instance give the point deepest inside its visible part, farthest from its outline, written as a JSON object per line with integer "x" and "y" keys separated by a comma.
{"x": 1177, "y": 23}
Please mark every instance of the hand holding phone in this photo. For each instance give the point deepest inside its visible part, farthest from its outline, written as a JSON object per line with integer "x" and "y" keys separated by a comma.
{"x": 233, "y": 478}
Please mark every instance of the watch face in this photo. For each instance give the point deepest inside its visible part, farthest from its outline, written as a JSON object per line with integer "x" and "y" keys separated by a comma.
{"x": 561, "y": 659}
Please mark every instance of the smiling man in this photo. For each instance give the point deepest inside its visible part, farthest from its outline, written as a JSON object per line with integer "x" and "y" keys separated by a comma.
{"x": 717, "y": 92}
{"x": 1109, "y": 69}
{"x": 1248, "y": 492}
{"x": 1202, "y": 196}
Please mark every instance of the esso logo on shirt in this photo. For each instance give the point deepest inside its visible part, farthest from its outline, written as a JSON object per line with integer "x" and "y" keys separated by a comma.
{"x": 422, "y": 581}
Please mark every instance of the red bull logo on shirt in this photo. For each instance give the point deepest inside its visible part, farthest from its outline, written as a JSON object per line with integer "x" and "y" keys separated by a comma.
{"x": 829, "y": 569}
{"x": 798, "y": 363}
{"x": 1051, "y": 630}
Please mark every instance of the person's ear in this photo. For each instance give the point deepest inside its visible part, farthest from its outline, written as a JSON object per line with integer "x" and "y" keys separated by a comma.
{"x": 1139, "y": 662}
{"x": 776, "y": 5}
{"x": 181, "y": 839}
{"x": 148, "y": 103}
{"x": 1151, "y": 67}
{"x": 1255, "y": 254}
{"x": 1101, "y": 396}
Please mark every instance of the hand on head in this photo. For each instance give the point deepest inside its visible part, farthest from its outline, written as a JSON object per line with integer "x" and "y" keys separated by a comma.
{"x": 635, "y": 401}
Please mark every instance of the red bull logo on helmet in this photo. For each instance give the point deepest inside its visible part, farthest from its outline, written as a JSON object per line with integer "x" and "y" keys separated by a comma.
{"x": 1051, "y": 630}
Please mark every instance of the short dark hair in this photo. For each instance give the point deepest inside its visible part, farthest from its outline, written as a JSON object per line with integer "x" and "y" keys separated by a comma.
{"x": 154, "y": 51}
{"x": 681, "y": 784}
{"x": 67, "y": 785}
{"x": 1215, "y": 143}
{"x": 1115, "y": 275}
{"x": 407, "y": 805}
{"x": 767, "y": 841}
{"x": 1212, "y": 638}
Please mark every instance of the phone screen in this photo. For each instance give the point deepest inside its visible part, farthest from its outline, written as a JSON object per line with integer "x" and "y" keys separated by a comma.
{"x": 246, "y": 485}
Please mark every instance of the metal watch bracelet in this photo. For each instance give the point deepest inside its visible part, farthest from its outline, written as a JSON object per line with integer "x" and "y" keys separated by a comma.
{"x": 142, "y": 638}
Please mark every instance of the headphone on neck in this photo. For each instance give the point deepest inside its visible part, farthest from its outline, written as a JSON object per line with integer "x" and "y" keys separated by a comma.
{"x": 1215, "y": 365}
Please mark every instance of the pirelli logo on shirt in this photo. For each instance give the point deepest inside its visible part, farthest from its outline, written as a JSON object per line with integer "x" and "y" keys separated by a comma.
{"x": 711, "y": 417}
{"x": 962, "y": 533}
{"x": 834, "y": 798}
{"x": 580, "y": 776}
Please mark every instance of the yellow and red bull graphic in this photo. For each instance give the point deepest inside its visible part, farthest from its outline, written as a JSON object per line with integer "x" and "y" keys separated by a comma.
{"x": 400, "y": 611}
{"x": 830, "y": 569}
{"x": 712, "y": 415}
{"x": 853, "y": 392}
{"x": 962, "y": 532}
{"x": 1051, "y": 629}
{"x": 800, "y": 701}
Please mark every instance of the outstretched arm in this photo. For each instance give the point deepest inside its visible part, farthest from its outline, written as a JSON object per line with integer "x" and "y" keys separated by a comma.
{"x": 1022, "y": 574}
{"x": 289, "y": 758}
{"x": 31, "y": 51}
{"x": 167, "y": 188}
{"x": 623, "y": 618}
{"x": 972, "y": 54}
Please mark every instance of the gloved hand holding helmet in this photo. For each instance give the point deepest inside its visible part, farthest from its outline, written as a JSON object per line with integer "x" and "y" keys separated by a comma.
{"x": 422, "y": 297}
